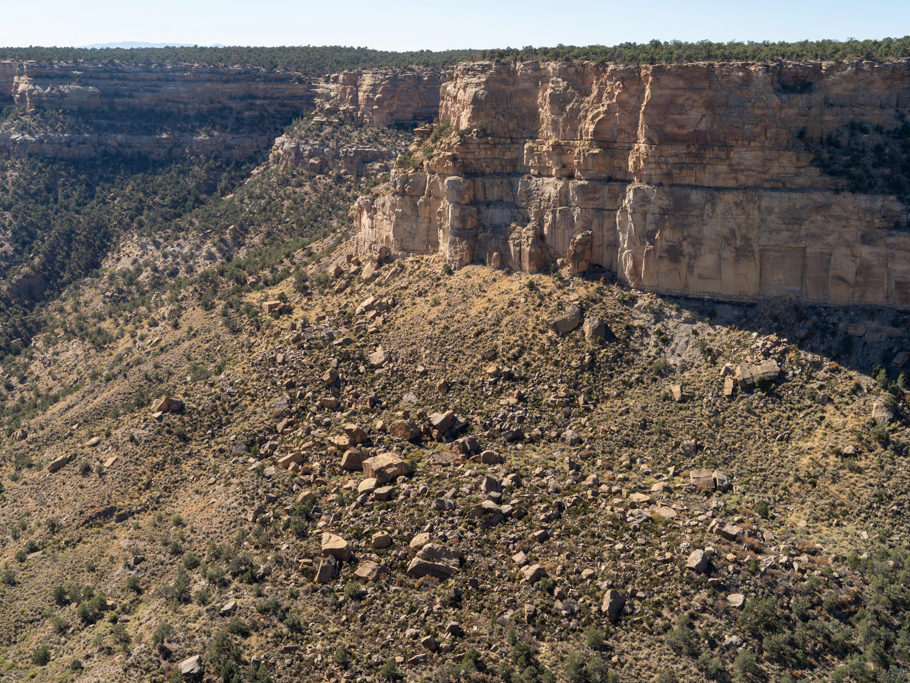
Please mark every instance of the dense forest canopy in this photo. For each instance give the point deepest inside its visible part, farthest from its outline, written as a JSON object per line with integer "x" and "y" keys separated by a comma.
{"x": 315, "y": 61}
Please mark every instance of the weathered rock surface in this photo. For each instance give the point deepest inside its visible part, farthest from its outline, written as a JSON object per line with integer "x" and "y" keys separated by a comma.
{"x": 434, "y": 560}
{"x": 385, "y": 467}
{"x": 335, "y": 546}
{"x": 696, "y": 179}
{"x": 383, "y": 97}
{"x": 288, "y": 152}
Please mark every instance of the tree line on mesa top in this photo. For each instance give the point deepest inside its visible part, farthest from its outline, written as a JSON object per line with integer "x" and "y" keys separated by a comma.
{"x": 310, "y": 61}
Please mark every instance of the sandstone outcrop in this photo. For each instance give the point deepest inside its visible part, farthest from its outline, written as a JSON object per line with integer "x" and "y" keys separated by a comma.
{"x": 384, "y": 97}
{"x": 695, "y": 179}
{"x": 290, "y": 153}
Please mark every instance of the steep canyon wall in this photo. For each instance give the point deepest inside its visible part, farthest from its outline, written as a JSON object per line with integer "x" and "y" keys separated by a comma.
{"x": 155, "y": 110}
{"x": 735, "y": 181}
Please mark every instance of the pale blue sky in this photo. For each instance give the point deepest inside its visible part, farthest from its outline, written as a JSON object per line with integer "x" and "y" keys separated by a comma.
{"x": 394, "y": 25}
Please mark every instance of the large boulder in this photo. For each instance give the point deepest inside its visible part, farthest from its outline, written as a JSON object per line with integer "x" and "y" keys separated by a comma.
{"x": 191, "y": 667}
{"x": 442, "y": 423}
{"x": 579, "y": 254}
{"x": 434, "y": 560}
{"x": 385, "y": 467}
{"x": 352, "y": 460}
{"x": 568, "y": 320}
{"x": 405, "y": 430}
{"x": 168, "y": 404}
{"x": 612, "y": 605}
{"x": 59, "y": 462}
{"x": 595, "y": 330}
{"x": 749, "y": 374}
{"x": 335, "y": 546}
{"x": 698, "y": 561}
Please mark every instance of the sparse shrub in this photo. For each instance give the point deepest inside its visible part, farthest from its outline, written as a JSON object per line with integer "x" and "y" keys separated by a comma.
{"x": 178, "y": 591}
{"x": 880, "y": 375}
{"x": 298, "y": 526}
{"x": 759, "y": 616}
{"x": 216, "y": 574}
{"x": 660, "y": 367}
{"x": 744, "y": 666}
{"x": 880, "y": 435}
{"x": 342, "y": 656}
{"x": 238, "y": 627}
{"x": 711, "y": 666}
{"x": 292, "y": 622}
{"x": 121, "y": 637}
{"x": 388, "y": 671}
{"x": 224, "y": 656}
{"x": 353, "y": 590}
{"x": 41, "y": 656}
{"x": 681, "y": 638}
{"x": 133, "y": 584}
{"x": 59, "y": 624}
{"x": 61, "y": 596}
{"x": 91, "y": 609}
{"x": 594, "y": 637}
{"x": 471, "y": 662}
{"x": 575, "y": 668}
{"x": 270, "y": 606}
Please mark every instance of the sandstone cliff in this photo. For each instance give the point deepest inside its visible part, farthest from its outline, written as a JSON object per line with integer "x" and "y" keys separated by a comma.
{"x": 698, "y": 179}
{"x": 384, "y": 97}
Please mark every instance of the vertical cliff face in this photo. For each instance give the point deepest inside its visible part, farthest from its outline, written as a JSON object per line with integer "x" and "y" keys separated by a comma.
{"x": 385, "y": 97}
{"x": 700, "y": 179}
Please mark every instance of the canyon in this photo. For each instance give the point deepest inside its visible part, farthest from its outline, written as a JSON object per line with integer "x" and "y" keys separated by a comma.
{"x": 706, "y": 179}
{"x": 335, "y": 368}
{"x": 161, "y": 111}
{"x": 691, "y": 179}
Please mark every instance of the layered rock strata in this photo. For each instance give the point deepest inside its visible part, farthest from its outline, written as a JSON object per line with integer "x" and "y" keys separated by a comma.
{"x": 384, "y": 97}
{"x": 156, "y": 111}
{"x": 189, "y": 89}
{"x": 288, "y": 152}
{"x": 696, "y": 179}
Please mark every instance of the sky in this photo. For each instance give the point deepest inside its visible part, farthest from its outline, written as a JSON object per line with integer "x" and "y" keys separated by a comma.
{"x": 393, "y": 25}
